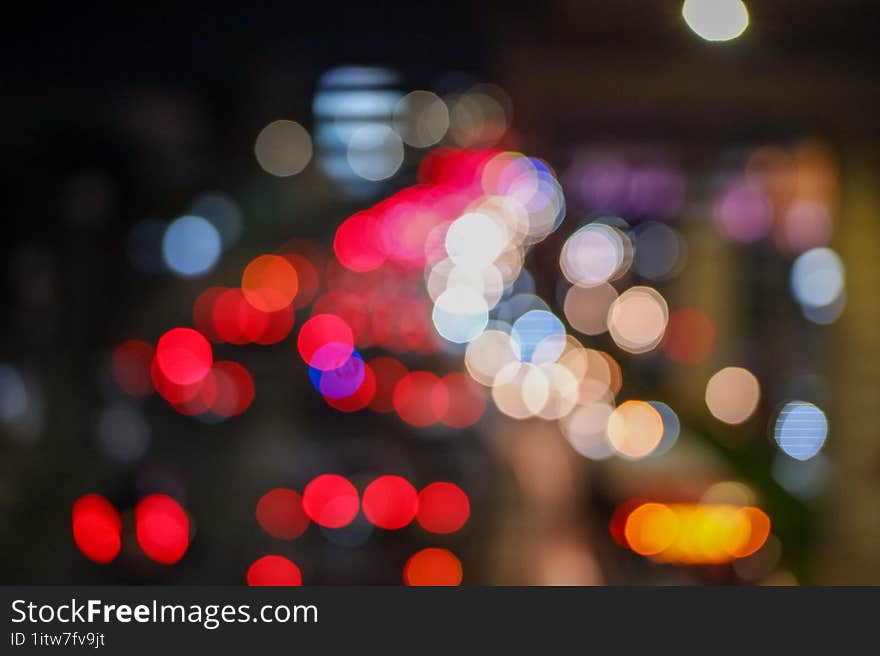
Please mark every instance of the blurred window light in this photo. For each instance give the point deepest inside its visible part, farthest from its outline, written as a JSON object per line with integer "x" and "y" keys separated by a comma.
{"x": 716, "y": 20}
{"x": 354, "y": 114}
{"x": 801, "y": 429}
{"x": 375, "y": 152}
{"x": 356, "y": 104}
{"x": 539, "y": 332}
{"x": 355, "y": 76}
{"x": 191, "y": 246}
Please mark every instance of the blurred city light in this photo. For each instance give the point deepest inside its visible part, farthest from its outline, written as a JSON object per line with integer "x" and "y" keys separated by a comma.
{"x": 716, "y": 20}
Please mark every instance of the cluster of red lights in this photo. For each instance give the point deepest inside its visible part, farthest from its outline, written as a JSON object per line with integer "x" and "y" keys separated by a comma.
{"x": 161, "y": 527}
{"x": 388, "y": 502}
{"x": 433, "y": 566}
{"x": 410, "y": 227}
{"x": 373, "y": 297}
{"x": 181, "y": 369}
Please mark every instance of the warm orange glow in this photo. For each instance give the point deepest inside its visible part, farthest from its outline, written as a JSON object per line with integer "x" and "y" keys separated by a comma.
{"x": 269, "y": 283}
{"x": 693, "y": 533}
{"x": 651, "y": 528}
{"x": 432, "y": 567}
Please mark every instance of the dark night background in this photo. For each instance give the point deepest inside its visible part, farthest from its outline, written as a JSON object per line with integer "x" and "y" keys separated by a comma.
{"x": 111, "y": 115}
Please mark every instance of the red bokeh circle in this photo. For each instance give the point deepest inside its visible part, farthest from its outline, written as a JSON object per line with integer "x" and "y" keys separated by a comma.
{"x": 162, "y": 528}
{"x": 273, "y": 570}
{"x": 184, "y": 356}
{"x": 280, "y": 513}
{"x": 331, "y": 500}
{"x": 97, "y": 527}
{"x": 390, "y": 502}
{"x": 443, "y": 508}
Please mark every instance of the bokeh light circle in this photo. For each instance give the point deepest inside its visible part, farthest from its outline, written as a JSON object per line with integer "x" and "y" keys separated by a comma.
{"x": 97, "y": 528}
{"x": 325, "y": 342}
{"x": 732, "y": 395}
{"x": 443, "y": 508}
{"x": 162, "y": 528}
{"x": 716, "y": 20}
{"x": 390, "y": 502}
{"x": 637, "y": 319}
{"x": 283, "y": 148}
{"x": 331, "y": 500}
{"x": 191, "y": 246}
{"x": 269, "y": 283}
{"x": 273, "y": 570}
{"x": 184, "y": 356}
{"x": 635, "y": 429}
{"x": 801, "y": 429}
{"x": 433, "y": 567}
{"x": 280, "y": 513}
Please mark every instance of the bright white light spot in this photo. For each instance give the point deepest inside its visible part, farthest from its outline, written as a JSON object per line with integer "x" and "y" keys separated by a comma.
{"x": 594, "y": 254}
{"x": 460, "y": 314}
{"x": 716, "y": 20}
{"x": 475, "y": 240}
{"x": 817, "y": 278}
